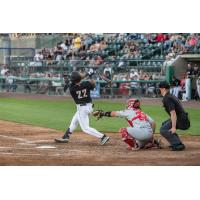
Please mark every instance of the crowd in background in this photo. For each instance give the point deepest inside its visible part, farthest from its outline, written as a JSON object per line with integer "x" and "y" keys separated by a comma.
{"x": 181, "y": 87}
{"x": 114, "y": 54}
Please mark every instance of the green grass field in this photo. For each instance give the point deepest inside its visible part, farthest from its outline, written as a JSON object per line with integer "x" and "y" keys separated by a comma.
{"x": 57, "y": 114}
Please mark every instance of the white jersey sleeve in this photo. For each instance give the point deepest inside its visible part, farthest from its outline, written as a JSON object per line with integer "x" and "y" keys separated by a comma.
{"x": 149, "y": 119}
{"x": 123, "y": 113}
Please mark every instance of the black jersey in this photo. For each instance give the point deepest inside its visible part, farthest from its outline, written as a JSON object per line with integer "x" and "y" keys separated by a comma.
{"x": 170, "y": 102}
{"x": 81, "y": 92}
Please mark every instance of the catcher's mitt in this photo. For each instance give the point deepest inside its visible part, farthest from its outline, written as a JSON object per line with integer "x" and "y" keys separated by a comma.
{"x": 98, "y": 114}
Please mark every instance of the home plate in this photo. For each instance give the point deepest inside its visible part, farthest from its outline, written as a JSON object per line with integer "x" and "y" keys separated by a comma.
{"x": 46, "y": 147}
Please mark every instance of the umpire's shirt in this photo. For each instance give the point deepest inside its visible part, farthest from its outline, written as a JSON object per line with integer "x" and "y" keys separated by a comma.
{"x": 81, "y": 92}
{"x": 170, "y": 102}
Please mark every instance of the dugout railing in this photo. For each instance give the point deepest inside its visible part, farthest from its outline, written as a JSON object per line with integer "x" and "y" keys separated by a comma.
{"x": 58, "y": 86}
{"x": 53, "y": 78}
{"x": 24, "y": 68}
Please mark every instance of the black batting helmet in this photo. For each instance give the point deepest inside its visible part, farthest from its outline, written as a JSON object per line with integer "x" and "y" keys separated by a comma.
{"x": 75, "y": 77}
{"x": 164, "y": 84}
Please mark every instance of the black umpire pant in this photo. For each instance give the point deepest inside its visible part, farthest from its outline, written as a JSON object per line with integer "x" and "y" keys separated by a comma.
{"x": 183, "y": 123}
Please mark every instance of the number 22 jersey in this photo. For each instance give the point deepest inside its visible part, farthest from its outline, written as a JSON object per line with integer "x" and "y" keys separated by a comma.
{"x": 81, "y": 92}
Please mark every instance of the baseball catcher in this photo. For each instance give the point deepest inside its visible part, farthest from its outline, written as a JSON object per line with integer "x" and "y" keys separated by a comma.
{"x": 142, "y": 127}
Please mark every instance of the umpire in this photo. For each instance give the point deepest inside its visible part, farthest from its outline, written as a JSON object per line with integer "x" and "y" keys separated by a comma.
{"x": 178, "y": 118}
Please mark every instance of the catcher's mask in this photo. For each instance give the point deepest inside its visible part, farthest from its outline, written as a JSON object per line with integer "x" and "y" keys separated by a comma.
{"x": 133, "y": 104}
{"x": 75, "y": 77}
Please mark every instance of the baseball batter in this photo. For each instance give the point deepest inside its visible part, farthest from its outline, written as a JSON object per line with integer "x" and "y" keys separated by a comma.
{"x": 80, "y": 92}
{"x": 142, "y": 127}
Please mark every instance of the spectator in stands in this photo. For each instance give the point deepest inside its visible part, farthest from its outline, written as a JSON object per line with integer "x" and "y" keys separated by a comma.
{"x": 107, "y": 68}
{"x": 156, "y": 76}
{"x": 167, "y": 43}
{"x": 134, "y": 73}
{"x": 160, "y": 37}
{"x": 64, "y": 46}
{"x": 141, "y": 78}
{"x": 196, "y": 70}
{"x": 76, "y": 43}
{"x": 187, "y": 93}
{"x": 87, "y": 42}
{"x": 58, "y": 52}
{"x": 38, "y": 57}
{"x": 50, "y": 59}
{"x": 57, "y": 86}
{"x": 44, "y": 85}
{"x": 191, "y": 41}
{"x": 66, "y": 82}
{"x": 98, "y": 60}
{"x": 168, "y": 62}
{"x": 198, "y": 86}
{"x": 124, "y": 88}
{"x": 10, "y": 82}
{"x": 198, "y": 42}
{"x": 175, "y": 87}
{"x": 134, "y": 85}
{"x": 189, "y": 69}
{"x": 95, "y": 47}
{"x": 103, "y": 45}
{"x": 151, "y": 88}
{"x": 106, "y": 87}
{"x": 45, "y": 52}
{"x": 145, "y": 86}
{"x": 4, "y": 70}
{"x": 179, "y": 44}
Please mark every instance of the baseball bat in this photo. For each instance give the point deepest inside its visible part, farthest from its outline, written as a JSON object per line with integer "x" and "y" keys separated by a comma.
{"x": 104, "y": 78}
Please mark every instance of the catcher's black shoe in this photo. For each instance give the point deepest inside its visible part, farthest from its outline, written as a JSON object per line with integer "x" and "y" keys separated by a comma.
{"x": 104, "y": 139}
{"x": 158, "y": 143}
{"x": 178, "y": 147}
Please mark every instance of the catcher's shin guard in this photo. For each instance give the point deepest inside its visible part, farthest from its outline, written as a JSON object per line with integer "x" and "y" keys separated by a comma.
{"x": 127, "y": 138}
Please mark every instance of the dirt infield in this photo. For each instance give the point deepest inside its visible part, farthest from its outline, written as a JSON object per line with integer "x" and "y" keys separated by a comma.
{"x": 29, "y": 145}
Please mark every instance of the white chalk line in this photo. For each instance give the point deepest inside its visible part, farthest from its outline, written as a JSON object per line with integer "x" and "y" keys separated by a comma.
{"x": 46, "y": 147}
{"x": 18, "y": 139}
{"x": 24, "y": 141}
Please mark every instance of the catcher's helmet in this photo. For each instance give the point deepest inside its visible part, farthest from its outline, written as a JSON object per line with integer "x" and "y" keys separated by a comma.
{"x": 133, "y": 104}
{"x": 75, "y": 77}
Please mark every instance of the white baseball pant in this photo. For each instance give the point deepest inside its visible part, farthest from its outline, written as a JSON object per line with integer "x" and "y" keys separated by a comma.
{"x": 82, "y": 117}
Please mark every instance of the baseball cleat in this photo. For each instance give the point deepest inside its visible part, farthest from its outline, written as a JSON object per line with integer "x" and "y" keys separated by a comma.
{"x": 158, "y": 143}
{"x": 62, "y": 140}
{"x": 135, "y": 148}
{"x": 104, "y": 139}
{"x": 179, "y": 147}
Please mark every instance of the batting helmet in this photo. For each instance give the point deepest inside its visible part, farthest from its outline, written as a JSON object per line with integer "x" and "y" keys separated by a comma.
{"x": 75, "y": 77}
{"x": 164, "y": 84}
{"x": 133, "y": 104}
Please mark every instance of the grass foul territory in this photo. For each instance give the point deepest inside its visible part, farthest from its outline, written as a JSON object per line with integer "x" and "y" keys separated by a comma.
{"x": 57, "y": 114}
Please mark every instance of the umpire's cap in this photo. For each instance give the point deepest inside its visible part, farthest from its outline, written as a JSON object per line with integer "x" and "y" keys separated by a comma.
{"x": 164, "y": 84}
{"x": 75, "y": 77}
